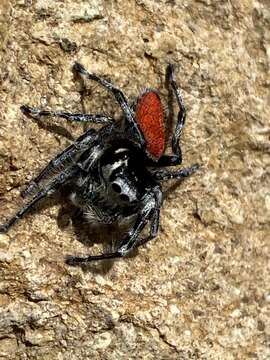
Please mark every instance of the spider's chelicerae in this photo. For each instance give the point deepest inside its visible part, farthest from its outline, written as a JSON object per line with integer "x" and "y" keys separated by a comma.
{"x": 115, "y": 173}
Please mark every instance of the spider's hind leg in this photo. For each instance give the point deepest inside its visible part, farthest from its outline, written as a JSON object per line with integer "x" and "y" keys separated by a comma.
{"x": 163, "y": 175}
{"x": 176, "y": 157}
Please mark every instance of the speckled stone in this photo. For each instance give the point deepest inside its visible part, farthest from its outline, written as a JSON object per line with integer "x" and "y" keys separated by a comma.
{"x": 200, "y": 290}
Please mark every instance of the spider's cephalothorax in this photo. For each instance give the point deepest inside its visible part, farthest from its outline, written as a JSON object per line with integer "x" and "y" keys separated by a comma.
{"x": 114, "y": 173}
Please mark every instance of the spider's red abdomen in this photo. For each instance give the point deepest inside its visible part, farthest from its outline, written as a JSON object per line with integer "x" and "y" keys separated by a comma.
{"x": 150, "y": 118}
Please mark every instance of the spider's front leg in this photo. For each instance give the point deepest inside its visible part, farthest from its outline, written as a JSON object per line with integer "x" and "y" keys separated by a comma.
{"x": 57, "y": 182}
{"x": 119, "y": 96}
{"x": 149, "y": 212}
{"x": 83, "y": 118}
{"x": 63, "y": 160}
{"x": 68, "y": 164}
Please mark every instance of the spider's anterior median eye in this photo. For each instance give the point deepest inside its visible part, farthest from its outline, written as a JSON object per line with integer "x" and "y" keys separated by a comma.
{"x": 116, "y": 188}
{"x": 124, "y": 197}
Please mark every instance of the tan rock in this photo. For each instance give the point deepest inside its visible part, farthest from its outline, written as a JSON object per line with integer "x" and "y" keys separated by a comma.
{"x": 200, "y": 290}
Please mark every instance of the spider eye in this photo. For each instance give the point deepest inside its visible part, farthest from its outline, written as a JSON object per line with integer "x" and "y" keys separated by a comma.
{"x": 116, "y": 188}
{"x": 124, "y": 197}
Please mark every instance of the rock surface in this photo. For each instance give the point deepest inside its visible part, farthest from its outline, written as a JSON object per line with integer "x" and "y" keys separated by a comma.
{"x": 201, "y": 289}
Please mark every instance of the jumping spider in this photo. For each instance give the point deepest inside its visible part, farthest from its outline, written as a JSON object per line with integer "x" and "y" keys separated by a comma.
{"x": 115, "y": 173}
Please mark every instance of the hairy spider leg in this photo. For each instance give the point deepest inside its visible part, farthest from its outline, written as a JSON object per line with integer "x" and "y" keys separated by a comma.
{"x": 58, "y": 181}
{"x": 93, "y": 118}
{"x": 149, "y": 212}
{"x": 63, "y": 160}
{"x": 154, "y": 220}
{"x": 119, "y": 96}
{"x": 178, "y": 174}
{"x": 176, "y": 158}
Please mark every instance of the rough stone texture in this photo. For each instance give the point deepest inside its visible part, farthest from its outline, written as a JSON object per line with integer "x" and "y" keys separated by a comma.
{"x": 201, "y": 289}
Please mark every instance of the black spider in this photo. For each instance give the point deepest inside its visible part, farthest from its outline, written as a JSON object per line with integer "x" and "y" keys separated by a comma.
{"x": 114, "y": 172}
